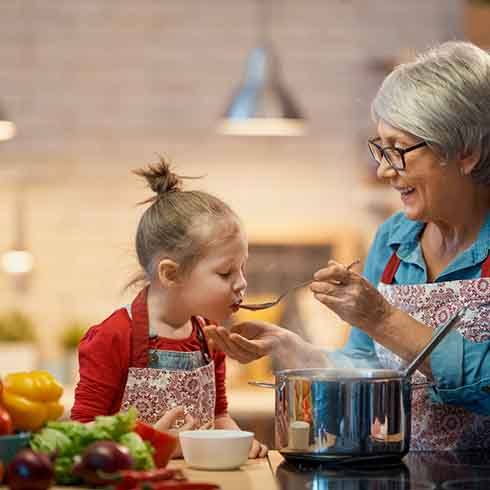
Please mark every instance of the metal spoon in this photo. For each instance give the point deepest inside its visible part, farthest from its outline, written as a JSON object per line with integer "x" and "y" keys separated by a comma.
{"x": 270, "y": 304}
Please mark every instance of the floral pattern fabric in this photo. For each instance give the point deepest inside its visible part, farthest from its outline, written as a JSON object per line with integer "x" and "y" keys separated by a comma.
{"x": 153, "y": 391}
{"x": 441, "y": 426}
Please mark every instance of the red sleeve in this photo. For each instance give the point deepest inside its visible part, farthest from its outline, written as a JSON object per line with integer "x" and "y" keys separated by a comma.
{"x": 103, "y": 356}
{"x": 221, "y": 407}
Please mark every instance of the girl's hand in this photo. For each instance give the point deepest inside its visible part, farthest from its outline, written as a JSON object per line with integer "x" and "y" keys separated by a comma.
{"x": 167, "y": 423}
{"x": 258, "y": 450}
{"x": 169, "y": 420}
{"x": 353, "y": 298}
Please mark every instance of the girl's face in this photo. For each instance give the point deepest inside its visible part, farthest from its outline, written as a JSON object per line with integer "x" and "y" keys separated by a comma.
{"x": 216, "y": 284}
{"x": 427, "y": 188}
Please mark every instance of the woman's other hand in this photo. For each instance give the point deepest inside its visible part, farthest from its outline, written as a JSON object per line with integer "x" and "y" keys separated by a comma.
{"x": 349, "y": 295}
{"x": 247, "y": 341}
{"x": 258, "y": 450}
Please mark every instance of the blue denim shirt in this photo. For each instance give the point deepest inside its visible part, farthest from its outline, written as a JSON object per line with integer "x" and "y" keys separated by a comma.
{"x": 461, "y": 369}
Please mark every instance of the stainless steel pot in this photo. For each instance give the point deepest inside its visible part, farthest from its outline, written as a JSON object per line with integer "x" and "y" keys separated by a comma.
{"x": 346, "y": 414}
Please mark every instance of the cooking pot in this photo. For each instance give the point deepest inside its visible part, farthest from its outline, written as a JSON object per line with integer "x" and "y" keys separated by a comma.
{"x": 339, "y": 415}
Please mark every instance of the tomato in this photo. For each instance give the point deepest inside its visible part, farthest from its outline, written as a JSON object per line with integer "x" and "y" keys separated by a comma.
{"x": 163, "y": 442}
{"x": 6, "y": 426}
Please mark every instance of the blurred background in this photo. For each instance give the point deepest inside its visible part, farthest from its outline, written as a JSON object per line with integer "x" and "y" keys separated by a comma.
{"x": 91, "y": 90}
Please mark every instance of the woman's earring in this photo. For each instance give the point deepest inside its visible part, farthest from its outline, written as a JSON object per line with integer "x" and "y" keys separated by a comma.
{"x": 462, "y": 172}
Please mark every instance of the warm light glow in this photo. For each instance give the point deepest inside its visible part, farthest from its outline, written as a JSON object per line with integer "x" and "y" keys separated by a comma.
{"x": 7, "y": 130}
{"x": 261, "y": 126}
{"x": 17, "y": 262}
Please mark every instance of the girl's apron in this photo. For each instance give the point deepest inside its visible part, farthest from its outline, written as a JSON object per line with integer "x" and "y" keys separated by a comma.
{"x": 160, "y": 380}
{"x": 441, "y": 426}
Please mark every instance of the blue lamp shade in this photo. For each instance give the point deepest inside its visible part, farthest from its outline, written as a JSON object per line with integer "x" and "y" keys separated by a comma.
{"x": 7, "y": 128}
{"x": 262, "y": 105}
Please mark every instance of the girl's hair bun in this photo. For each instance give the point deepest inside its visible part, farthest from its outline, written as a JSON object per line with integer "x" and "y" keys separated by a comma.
{"x": 160, "y": 178}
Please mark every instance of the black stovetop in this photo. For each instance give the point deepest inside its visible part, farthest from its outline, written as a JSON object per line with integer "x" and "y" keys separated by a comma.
{"x": 416, "y": 471}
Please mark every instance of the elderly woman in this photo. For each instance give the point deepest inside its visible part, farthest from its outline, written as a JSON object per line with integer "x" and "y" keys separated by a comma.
{"x": 427, "y": 262}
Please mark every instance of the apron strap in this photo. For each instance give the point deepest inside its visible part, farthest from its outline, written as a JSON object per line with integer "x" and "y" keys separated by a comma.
{"x": 392, "y": 266}
{"x": 485, "y": 268}
{"x": 390, "y": 269}
{"x": 199, "y": 323}
{"x": 139, "y": 333}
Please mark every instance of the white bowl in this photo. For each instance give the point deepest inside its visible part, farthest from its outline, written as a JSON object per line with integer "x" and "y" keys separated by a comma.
{"x": 215, "y": 449}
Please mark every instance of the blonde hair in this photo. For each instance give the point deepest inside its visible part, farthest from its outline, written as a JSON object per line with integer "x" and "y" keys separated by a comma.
{"x": 178, "y": 223}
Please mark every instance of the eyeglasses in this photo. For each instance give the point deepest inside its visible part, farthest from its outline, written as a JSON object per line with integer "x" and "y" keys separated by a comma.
{"x": 395, "y": 157}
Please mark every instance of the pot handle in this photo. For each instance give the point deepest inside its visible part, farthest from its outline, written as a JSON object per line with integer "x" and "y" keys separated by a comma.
{"x": 262, "y": 384}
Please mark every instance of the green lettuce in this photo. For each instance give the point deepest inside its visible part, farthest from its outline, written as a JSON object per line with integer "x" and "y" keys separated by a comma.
{"x": 141, "y": 451}
{"x": 68, "y": 439}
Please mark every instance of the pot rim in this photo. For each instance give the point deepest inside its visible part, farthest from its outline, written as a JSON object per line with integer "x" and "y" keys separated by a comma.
{"x": 339, "y": 374}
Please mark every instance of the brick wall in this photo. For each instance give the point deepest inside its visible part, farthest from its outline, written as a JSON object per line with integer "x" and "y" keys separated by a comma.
{"x": 99, "y": 87}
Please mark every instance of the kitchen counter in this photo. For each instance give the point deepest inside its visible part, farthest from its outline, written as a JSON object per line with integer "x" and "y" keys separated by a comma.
{"x": 417, "y": 471}
{"x": 256, "y": 474}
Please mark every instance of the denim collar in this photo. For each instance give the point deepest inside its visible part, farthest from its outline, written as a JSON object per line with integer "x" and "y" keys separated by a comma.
{"x": 404, "y": 237}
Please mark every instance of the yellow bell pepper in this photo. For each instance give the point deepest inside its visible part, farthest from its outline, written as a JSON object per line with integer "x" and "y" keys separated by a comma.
{"x": 32, "y": 399}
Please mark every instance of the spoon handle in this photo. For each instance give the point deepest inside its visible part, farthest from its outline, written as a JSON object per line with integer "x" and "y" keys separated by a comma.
{"x": 433, "y": 343}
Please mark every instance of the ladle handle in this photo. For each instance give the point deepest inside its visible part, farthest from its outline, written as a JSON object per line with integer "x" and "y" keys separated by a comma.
{"x": 433, "y": 343}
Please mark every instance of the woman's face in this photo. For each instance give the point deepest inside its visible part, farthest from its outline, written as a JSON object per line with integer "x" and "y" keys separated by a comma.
{"x": 428, "y": 190}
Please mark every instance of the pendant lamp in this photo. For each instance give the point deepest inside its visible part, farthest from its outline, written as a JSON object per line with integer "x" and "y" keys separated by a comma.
{"x": 18, "y": 261}
{"x": 7, "y": 127}
{"x": 262, "y": 104}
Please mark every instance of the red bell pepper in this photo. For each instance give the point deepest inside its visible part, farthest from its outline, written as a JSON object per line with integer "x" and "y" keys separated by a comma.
{"x": 129, "y": 479}
{"x": 6, "y": 425}
{"x": 176, "y": 485}
{"x": 163, "y": 442}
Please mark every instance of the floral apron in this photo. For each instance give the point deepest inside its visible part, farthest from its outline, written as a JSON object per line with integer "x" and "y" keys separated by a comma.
{"x": 160, "y": 380}
{"x": 440, "y": 426}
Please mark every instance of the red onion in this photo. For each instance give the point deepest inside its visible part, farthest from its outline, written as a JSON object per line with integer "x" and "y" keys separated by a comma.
{"x": 104, "y": 456}
{"x": 30, "y": 471}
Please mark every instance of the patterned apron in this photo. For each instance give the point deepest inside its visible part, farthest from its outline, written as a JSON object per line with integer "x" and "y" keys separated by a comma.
{"x": 440, "y": 426}
{"x": 160, "y": 380}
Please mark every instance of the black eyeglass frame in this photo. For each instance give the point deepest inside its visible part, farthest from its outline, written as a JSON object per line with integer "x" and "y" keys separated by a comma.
{"x": 401, "y": 152}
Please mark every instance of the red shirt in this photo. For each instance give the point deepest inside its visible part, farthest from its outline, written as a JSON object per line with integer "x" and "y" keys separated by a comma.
{"x": 104, "y": 357}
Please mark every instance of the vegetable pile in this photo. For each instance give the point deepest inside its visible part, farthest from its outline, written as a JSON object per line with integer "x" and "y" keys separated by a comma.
{"x": 108, "y": 444}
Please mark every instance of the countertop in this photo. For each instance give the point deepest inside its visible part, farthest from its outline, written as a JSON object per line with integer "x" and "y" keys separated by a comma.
{"x": 445, "y": 470}
{"x": 417, "y": 471}
{"x": 256, "y": 474}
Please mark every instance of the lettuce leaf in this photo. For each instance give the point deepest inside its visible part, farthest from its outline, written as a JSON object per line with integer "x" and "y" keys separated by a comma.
{"x": 141, "y": 451}
{"x": 68, "y": 439}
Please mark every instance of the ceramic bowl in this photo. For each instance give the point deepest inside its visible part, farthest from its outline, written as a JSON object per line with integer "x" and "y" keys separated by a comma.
{"x": 215, "y": 449}
{"x": 11, "y": 444}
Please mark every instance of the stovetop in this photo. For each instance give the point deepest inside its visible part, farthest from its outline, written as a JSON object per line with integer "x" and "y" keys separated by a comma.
{"x": 417, "y": 471}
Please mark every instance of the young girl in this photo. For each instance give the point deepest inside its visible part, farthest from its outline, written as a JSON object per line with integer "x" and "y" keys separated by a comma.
{"x": 153, "y": 354}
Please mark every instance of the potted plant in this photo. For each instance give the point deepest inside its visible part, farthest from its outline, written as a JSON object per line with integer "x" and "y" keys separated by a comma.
{"x": 18, "y": 346}
{"x": 477, "y": 22}
{"x": 73, "y": 332}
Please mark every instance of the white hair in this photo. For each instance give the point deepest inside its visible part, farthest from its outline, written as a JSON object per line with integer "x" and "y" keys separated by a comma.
{"x": 443, "y": 98}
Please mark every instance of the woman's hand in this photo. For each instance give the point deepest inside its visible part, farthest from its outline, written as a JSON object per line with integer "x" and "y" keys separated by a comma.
{"x": 258, "y": 450}
{"x": 247, "y": 341}
{"x": 353, "y": 298}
